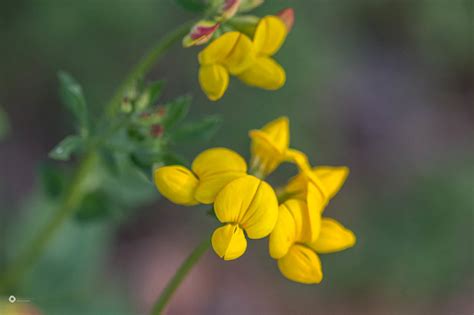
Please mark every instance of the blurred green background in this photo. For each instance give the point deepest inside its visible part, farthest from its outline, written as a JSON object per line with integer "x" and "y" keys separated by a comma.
{"x": 384, "y": 87}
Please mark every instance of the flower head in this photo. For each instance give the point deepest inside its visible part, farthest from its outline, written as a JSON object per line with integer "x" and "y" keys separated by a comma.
{"x": 210, "y": 172}
{"x": 246, "y": 204}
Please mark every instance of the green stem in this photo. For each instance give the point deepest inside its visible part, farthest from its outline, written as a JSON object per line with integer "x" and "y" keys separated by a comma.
{"x": 179, "y": 276}
{"x": 71, "y": 199}
{"x": 17, "y": 268}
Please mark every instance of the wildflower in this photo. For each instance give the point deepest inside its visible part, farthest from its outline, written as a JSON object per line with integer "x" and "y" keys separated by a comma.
{"x": 231, "y": 53}
{"x": 200, "y": 33}
{"x": 246, "y": 204}
{"x": 291, "y": 246}
{"x": 210, "y": 172}
{"x": 265, "y": 72}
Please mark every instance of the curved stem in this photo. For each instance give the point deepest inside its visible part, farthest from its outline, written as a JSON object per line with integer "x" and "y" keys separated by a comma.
{"x": 179, "y": 276}
{"x": 73, "y": 195}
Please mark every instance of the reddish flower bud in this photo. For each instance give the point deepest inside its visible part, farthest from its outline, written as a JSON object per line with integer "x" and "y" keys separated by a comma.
{"x": 201, "y": 33}
{"x": 229, "y": 9}
{"x": 288, "y": 17}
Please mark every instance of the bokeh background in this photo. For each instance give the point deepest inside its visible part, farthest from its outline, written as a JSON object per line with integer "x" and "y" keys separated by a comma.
{"x": 384, "y": 87}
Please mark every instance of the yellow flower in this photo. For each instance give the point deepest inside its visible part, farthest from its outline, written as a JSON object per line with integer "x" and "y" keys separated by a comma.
{"x": 231, "y": 53}
{"x": 290, "y": 242}
{"x": 265, "y": 72}
{"x": 245, "y": 204}
{"x": 210, "y": 172}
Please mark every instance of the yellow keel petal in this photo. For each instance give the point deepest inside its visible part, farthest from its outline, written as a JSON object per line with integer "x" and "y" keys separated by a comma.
{"x": 229, "y": 242}
{"x": 302, "y": 265}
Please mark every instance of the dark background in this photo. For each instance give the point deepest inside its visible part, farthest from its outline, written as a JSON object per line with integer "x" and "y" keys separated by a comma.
{"x": 384, "y": 87}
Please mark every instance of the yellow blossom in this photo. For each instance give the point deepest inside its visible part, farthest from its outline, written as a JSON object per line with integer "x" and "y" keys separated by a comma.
{"x": 231, "y": 53}
{"x": 245, "y": 204}
{"x": 290, "y": 242}
{"x": 210, "y": 172}
{"x": 265, "y": 72}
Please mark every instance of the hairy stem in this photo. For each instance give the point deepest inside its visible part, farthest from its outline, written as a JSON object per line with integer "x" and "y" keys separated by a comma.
{"x": 12, "y": 274}
{"x": 179, "y": 276}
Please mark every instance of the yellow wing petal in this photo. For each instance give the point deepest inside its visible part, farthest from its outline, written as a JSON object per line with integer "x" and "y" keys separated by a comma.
{"x": 333, "y": 237}
{"x": 283, "y": 235}
{"x": 332, "y": 177}
{"x": 177, "y": 184}
{"x": 214, "y": 80}
{"x": 269, "y": 35}
{"x": 249, "y": 202}
{"x": 229, "y": 242}
{"x": 264, "y": 73}
{"x": 302, "y": 265}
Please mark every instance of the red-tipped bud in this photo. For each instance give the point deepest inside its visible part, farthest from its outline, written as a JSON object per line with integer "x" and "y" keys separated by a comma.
{"x": 229, "y": 9}
{"x": 288, "y": 17}
{"x": 201, "y": 33}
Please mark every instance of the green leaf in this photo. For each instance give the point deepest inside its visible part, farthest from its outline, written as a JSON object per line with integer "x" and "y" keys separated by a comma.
{"x": 150, "y": 95}
{"x": 52, "y": 180}
{"x": 176, "y": 111}
{"x": 94, "y": 206}
{"x": 192, "y": 5}
{"x": 71, "y": 95}
{"x": 202, "y": 130}
{"x": 4, "y": 125}
{"x": 68, "y": 146}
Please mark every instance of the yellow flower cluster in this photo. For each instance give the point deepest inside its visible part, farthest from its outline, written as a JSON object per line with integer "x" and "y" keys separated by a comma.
{"x": 248, "y": 207}
{"x": 235, "y": 53}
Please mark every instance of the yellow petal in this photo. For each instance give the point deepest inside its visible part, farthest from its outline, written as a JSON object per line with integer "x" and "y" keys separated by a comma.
{"x": 283, "y": 235}
{"x": 307, "y": 221}
{"x": 302, "y": 265}
{"x": 217, "y": 51}
{"x": 278, "y": 132}
{"x": 269, "y": 35}
{"x": 333, "y": 237}
{"x": 215, "y": 168}
{"x": 249, "y": 202}
{"x": 229, "y": 242}
{"x": 233, "y": 50}
{"x": 332, "y": 178}
{"x": 264, "y": 73}
{"x": 214, "y": 80}
{"x": 315, "y": 202}
{"x": 177, "y": 184}
{"x": 269, "y": 145}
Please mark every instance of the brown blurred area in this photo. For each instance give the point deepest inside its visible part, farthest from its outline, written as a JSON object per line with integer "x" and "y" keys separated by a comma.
{"x": 385, "y": 87}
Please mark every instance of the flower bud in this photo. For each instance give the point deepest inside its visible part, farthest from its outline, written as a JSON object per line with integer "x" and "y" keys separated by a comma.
{"x": 288, "y": 17}
{"x": 200, "y": 33}
{"x": 229, "y": 9}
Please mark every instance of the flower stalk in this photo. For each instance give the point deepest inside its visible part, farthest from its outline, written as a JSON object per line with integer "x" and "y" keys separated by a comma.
{"x": 179, "y": 276}
{"x": 13, "y": 272}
